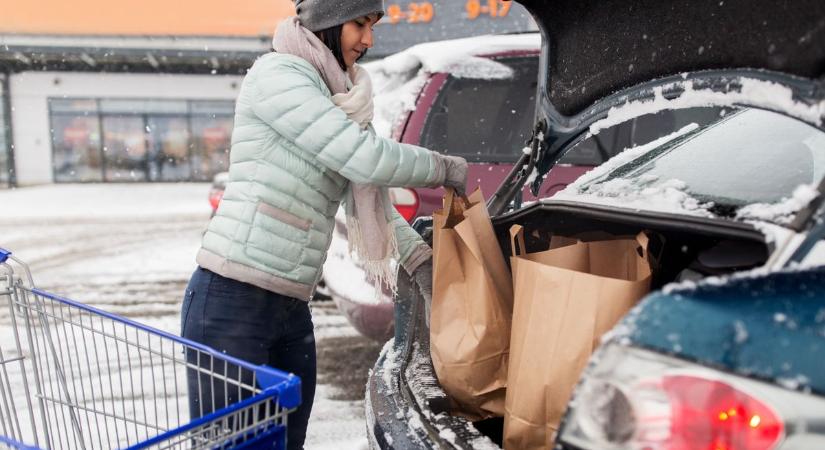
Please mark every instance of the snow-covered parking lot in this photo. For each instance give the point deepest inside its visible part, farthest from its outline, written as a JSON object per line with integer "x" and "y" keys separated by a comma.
{"x": 129, "y": 249}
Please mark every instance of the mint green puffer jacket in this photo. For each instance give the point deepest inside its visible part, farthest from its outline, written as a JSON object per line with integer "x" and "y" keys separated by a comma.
{"x": 293, "y": 154}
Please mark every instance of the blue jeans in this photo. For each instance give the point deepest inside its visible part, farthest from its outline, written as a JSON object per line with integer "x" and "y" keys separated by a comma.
{"x": 255, "y": 325}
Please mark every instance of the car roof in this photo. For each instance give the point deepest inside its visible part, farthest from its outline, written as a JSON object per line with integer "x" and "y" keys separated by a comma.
{"x": 466, "y": 57}
{"x": 598, "y": 47}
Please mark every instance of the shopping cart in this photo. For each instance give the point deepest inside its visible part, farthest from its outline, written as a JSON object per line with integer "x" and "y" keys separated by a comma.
{"x": 75, "y": 377}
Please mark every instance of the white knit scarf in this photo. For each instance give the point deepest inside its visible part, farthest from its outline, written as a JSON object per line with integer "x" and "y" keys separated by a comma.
{"x": 370, "y": 230}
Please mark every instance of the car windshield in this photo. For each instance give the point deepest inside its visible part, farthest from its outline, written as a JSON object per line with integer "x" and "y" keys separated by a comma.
{"x": 750, "y": 157}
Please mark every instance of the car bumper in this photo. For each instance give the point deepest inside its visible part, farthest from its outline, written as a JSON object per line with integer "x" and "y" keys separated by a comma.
{"x": 373, "y": 320}
{"x": 405, "y": 406}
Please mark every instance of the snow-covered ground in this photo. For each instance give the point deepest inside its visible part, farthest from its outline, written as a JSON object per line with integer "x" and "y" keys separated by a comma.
{"x": 129, "y": 249}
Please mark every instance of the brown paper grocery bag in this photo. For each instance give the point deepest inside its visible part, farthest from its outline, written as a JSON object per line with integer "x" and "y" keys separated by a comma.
{"x": 471, "y": 308}
{"x": 565, "y": 299}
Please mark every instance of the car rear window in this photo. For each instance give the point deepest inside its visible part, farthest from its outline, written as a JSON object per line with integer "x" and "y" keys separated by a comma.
{"x": 484, "y": 120}
{"x": 596, "y": 149}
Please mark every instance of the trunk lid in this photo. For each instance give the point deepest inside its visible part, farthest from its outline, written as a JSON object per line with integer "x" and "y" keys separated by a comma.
{"x": 665, "y": 55}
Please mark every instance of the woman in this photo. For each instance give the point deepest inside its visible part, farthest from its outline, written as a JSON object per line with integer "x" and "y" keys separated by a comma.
{"x": 302, "y": 145}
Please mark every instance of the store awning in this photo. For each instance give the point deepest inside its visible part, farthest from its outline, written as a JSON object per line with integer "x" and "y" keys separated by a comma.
{"x": 134, "y": 54}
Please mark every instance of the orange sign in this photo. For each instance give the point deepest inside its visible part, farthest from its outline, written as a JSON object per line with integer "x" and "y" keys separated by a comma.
{"x": 144, "y": 17}
{"x": 422, "y": 12}
{"x": 492, "y": 8}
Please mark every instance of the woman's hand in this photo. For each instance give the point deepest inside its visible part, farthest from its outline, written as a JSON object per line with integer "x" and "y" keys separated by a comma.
{"x": 456, "y": 170}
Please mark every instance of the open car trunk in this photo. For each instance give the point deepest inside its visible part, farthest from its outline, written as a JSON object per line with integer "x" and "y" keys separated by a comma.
{"x": 682, "y": 249}
{"x": 687, "y": 249}
{"x": 603, "y": 63}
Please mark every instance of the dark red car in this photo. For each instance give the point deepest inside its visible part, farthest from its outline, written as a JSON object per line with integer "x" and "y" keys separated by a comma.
{"x": 474, "y": 98}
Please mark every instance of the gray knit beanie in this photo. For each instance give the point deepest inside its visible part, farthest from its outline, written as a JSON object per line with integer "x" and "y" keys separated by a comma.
{"x": 317, "y": 15}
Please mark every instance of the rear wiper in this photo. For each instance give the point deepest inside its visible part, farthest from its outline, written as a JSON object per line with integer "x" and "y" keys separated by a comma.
{"x": 513, "y": 184}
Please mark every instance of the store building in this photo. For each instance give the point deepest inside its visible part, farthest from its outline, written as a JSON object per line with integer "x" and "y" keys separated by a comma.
{"x": 102, "y": 91}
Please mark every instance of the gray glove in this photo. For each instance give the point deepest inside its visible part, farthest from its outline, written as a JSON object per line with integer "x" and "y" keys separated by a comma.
{"x": 423, "y": 279}
{"x": 456, "y": 169}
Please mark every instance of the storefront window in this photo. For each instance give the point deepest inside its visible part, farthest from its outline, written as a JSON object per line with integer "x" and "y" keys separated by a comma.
{"x": 142, "y": 106}
{"x": 212, "y": 133}
{"x": 76, "y": 140}
{"x": 168, "y": 148}
{"x": 75, "y": 130}
{"x": 140, "y": 140}
{"x": 211, "y": 150}
{"x": 124, "y": 148}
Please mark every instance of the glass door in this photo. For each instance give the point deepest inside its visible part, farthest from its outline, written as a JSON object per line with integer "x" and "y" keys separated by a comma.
{"x": 168, "y": 138}
{"x": 124, "y": 148}
{"x": 76, "y": 146}
{"x": 212, "y": 139}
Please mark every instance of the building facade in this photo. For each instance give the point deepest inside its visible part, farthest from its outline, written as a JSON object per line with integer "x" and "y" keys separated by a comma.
{"x": 92, "y": 127}
{"x": 102, "y": 91}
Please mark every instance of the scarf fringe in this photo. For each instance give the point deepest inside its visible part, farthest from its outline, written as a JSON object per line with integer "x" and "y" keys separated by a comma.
{"x": 382, "y": 272}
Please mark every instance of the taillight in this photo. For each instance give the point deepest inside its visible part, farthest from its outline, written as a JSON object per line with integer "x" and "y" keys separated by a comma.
{"x": 215, "y": 196}
{"x": 634, "y": 399}
{"x": 702, "y": 414}
{"x": 405, "y": 201}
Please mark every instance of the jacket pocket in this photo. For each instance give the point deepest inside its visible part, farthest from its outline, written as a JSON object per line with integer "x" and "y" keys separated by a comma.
{"x": 283, "y": 216}
{"x": 277, "y": 238}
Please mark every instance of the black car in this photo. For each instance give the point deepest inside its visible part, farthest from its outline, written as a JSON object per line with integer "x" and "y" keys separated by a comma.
{"x": 730, "y": 190}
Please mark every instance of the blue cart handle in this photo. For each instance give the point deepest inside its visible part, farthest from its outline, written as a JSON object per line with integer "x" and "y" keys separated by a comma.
{"x": 4, "y": 255}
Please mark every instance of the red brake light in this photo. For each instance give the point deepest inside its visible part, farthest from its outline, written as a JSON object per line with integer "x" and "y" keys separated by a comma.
{"x": 405, "y": 201}
{"x": 635, "y": 399}
{"x": 708, "y": 414}
{"x": 215, "y": 197}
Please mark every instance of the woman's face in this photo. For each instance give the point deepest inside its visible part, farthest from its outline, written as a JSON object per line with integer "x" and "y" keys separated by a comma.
{"x": 356, "y": 38}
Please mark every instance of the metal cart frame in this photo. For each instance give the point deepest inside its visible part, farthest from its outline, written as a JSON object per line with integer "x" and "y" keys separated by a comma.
{"x": 73, "y": 376}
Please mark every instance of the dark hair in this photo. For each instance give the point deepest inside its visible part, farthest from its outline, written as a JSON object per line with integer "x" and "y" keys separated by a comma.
{"x": 332, "y": 38}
